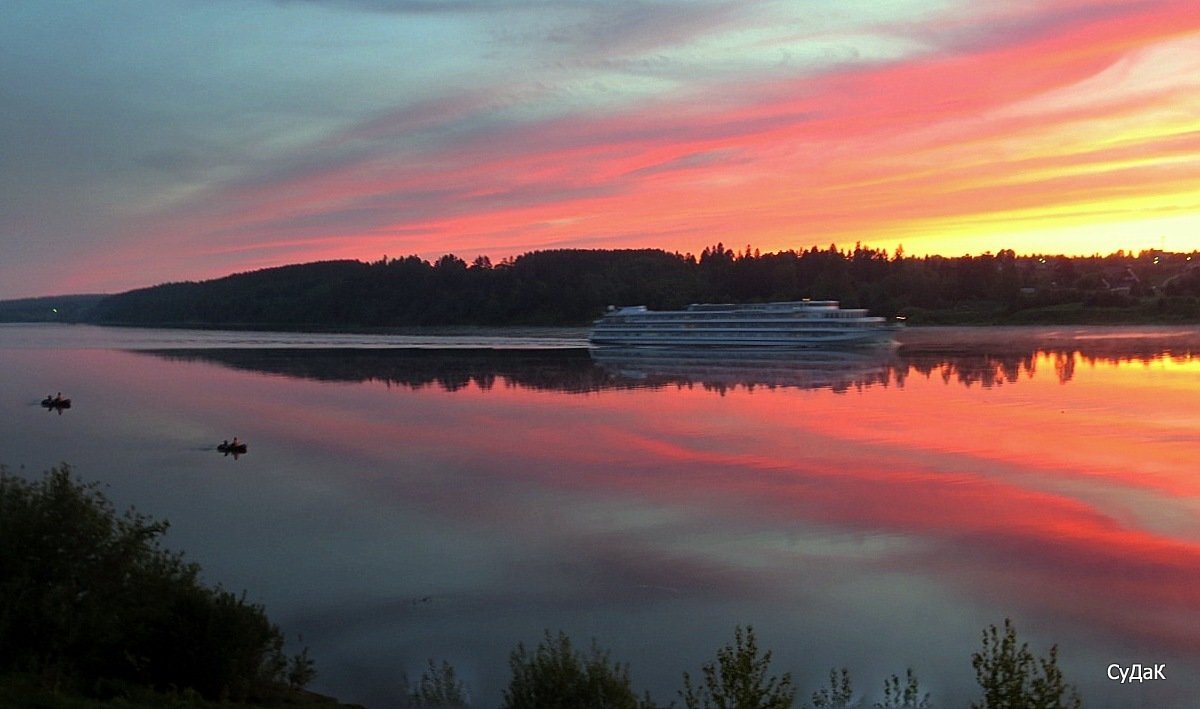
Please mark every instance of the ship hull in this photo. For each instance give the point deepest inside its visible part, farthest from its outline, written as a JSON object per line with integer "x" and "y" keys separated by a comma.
{"x": 794, "y": 324}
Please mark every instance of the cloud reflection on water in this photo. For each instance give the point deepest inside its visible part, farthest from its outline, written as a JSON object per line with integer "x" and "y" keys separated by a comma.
{"x": 1053, "y": 494}
{"x": 871, "y": 508}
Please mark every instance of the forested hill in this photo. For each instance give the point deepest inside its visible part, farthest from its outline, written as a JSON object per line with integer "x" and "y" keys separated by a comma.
{"x": 63, "y": 308}
{"x": 565, "y": 287}
{"x": 548, "y": 287}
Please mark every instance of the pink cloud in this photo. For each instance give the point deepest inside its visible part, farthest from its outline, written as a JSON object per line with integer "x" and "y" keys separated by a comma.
{"x": 857, "y": 153}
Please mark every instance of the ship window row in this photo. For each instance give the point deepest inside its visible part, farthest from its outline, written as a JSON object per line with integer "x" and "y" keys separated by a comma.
{"x": 641, "y": 334}
{"x": 755, "y": 315}
{"x": 718, "y": 334}
{"x": 717, "y": 327}
{"x": 773, "y": 321}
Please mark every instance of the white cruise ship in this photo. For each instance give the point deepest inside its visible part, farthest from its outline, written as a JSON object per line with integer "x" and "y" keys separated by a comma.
{"x": 800, "y": 323}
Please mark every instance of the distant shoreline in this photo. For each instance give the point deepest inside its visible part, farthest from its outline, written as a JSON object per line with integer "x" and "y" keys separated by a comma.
{"x": 1004, "y": 338}
{"x": 1143, "y": 313}
{"x": 970, "y": 315}
{"x": 913, "y": 339}
{"x": 572, "y": 287}
{"x": 1024, "y": 319}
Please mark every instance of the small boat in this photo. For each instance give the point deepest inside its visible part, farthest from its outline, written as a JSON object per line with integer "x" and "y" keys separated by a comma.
{"x": 56, "y": 402}
{"x": 231, "y": 448}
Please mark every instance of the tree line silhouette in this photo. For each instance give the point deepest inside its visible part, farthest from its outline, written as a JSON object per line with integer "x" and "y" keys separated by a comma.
{"x": 574, "y": 286}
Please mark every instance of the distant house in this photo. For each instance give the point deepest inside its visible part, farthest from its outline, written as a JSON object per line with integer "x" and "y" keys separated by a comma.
{"x": 1122, "y": 280}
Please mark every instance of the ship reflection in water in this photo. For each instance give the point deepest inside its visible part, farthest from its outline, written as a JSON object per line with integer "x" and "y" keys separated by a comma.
{"x": 721, "y": 368}
{"x": 572, "y": 371}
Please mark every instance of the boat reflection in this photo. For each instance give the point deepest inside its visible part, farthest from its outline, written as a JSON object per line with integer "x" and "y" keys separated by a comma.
{"x": 719, "y": 369}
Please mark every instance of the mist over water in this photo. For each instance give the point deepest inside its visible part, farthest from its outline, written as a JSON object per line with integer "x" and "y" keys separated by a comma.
{"x": 404, "y": 499}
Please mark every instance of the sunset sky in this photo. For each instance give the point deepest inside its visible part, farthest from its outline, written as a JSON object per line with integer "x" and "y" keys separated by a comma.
{"x": 144, "y": 141}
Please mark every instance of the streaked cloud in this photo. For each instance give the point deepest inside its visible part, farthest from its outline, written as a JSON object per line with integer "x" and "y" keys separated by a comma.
{"x": 163, "y": 141}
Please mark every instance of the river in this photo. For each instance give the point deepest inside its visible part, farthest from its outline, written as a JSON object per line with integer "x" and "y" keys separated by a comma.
{"x": 448, "y": 495}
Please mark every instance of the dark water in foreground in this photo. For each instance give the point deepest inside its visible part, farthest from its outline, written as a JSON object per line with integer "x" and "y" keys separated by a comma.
{"x": 873, "y": 510}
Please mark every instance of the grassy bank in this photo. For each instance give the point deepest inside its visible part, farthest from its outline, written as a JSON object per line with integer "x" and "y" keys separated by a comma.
{"x": 1164, "y": 310}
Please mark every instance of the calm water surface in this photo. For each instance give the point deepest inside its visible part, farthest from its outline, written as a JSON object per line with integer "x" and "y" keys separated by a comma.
{"x": 445, "y": 497}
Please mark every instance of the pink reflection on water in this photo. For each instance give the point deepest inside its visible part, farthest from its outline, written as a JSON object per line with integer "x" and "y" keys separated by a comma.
{"x": 1071, "y": 501}
{"x": 1048, "y": 486}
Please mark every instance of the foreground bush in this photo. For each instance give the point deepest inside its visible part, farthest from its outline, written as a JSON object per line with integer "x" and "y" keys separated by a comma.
{"x": 438, "y": 688}
{"x": 739, "y": 678}
{"x": 555, "y": 676}
{"x": 1013, "y": 678}
{"x": 90, "y": 601}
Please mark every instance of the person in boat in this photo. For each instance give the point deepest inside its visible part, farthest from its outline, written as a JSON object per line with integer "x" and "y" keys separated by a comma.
{"x": 224, "y": 444}
{"x": 235, "y": 443}
{"x": 58, "y": 398}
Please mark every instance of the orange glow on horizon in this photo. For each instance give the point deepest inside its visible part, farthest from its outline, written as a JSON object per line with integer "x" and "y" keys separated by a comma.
{"x": 1083, "y": 141}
